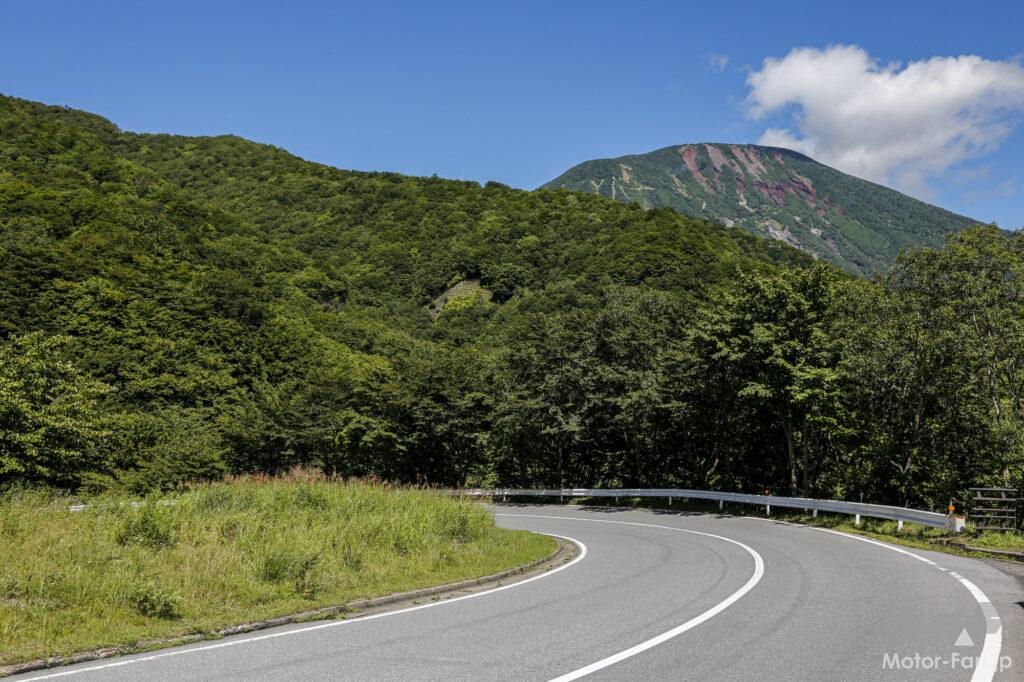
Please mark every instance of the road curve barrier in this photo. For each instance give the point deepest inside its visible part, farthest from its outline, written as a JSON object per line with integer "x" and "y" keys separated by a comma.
{"x": 856, "y": 509}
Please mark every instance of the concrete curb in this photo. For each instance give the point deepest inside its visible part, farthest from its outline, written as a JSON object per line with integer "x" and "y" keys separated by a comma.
{"x": 562, "y": 552}
{"x": 1002, "y": 552}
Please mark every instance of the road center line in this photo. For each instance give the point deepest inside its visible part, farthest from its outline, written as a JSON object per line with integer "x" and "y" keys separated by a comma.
{"x": 321, "y": 626}
{"x": 679, "y": 629}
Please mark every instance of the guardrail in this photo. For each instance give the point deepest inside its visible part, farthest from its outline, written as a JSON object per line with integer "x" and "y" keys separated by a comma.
{"x": 855, "y": 509}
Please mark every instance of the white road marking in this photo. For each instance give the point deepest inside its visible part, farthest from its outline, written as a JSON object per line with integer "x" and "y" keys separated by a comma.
{"x": 979, "y": 596}
{"x": 321, "y": 626}
{"x": 679, "y": 629}
{"x": 988, "y": 661}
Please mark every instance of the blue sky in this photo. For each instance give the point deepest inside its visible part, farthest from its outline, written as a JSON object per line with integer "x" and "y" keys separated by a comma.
{"x": 519, "y": 92}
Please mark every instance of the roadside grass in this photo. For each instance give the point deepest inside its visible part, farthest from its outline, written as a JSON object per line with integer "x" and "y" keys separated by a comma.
{"x": 911, "y": 535}
{"x": 918, "y": 536}
{"x": 915, "y": 535}
{"x": 227, "y": 553}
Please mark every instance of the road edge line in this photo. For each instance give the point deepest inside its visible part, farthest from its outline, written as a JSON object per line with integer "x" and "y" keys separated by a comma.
{"x": 988, "y": 659}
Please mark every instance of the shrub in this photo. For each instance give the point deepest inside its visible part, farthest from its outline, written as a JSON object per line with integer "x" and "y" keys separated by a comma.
{"x": 277, "y": 564}
{"x": 147, "y": 527}
{"x": 152, "y": 600}
{"x": 230, "y": 529}
{"x": 50, "y": 420}
{"x": 310, "y": 584}
{"x": 273, "y": 565}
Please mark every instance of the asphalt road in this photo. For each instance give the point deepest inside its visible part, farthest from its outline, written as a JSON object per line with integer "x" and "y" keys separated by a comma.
{"x": 654, "y": 596}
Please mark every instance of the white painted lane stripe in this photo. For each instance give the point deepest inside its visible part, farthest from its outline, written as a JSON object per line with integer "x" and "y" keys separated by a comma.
{"x": 679, "y": 629}
{"x": 979, "y": 596}
{"x": 988, "y": 661}
{"x": 247, "y": 640}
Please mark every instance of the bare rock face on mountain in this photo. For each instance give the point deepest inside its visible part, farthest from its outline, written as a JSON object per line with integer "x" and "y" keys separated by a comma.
{"x": 777, "y": 193}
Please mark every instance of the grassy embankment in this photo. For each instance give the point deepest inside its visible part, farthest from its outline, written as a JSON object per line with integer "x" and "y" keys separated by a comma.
{"x": 227, "y": 553}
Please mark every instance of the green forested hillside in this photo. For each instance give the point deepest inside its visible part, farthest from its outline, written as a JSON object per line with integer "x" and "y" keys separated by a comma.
{"x": 859, "y": 225}
{"x": 229, "y": 306}
{"x": 174, "y": 308}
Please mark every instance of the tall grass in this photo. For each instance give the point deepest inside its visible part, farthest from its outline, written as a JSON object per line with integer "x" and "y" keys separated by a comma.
{"x": 227, "y": 553}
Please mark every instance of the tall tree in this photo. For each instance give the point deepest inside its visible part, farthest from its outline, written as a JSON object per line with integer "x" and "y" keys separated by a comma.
{"x": 770, "y": 342}
{"x": 50, "y": 427}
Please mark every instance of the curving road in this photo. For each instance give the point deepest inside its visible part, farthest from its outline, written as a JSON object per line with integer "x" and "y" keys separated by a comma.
{"x": 655, "y": 596}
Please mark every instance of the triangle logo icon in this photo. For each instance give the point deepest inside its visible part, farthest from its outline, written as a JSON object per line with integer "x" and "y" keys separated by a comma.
{"x": 964, "y": 639}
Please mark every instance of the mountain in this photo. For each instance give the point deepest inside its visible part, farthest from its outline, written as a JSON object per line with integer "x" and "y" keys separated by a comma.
{"x": 777, "y": 193}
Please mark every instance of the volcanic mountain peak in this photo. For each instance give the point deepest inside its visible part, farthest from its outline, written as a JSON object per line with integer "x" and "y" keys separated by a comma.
{"x": 776, "y": 193}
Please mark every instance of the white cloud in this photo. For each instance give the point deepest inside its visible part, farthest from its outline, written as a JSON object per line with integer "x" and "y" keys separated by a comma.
{"x": 967, "y": 175}
{"x": 889, "y": 123}
{"x": 718, "y": 61}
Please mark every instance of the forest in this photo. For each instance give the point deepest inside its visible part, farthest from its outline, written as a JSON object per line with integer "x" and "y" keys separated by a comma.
{"x": 174, "y": 309}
